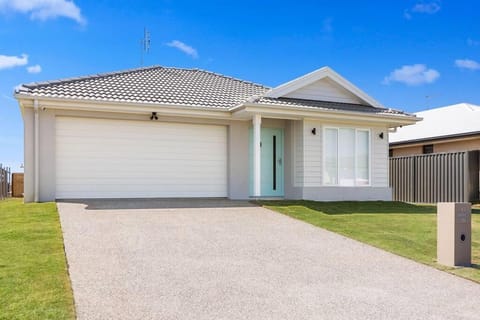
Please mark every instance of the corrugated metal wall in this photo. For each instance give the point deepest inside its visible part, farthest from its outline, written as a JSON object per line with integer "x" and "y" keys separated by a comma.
{"x": 436, "y": 177}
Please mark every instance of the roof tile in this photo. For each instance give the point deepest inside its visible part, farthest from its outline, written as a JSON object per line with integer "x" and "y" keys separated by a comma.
{"x": 176, "y": 86}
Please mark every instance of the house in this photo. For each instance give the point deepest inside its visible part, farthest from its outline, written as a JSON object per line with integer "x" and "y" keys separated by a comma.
{"x": 171, "y": 132}
{"x": 447, "y": 129}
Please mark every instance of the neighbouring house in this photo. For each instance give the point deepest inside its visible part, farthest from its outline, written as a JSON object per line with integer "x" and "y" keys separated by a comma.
{"x": 171, "y": 132}
{"x": 448, "y": 129}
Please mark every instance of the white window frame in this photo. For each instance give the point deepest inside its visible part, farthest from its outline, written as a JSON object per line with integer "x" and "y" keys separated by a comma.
{"x": 355, "y": 155}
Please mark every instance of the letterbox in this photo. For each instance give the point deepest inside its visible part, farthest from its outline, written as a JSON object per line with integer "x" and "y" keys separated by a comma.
{"x": 454, "y": 229}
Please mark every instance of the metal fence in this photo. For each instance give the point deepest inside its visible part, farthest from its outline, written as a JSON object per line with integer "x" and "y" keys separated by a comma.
{"x": 5, "y": 182}
{"x": 436, "y": 177}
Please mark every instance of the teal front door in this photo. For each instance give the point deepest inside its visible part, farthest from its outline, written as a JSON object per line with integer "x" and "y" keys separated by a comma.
{"x": 271, "y": 168}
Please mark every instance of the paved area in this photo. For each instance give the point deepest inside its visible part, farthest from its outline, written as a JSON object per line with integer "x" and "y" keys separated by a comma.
{"x": 231, "y": 260}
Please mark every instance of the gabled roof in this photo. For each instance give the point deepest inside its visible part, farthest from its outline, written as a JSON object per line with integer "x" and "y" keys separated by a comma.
{"x": 455, "y": 120}
{"x": 175, "y": 86}
{"x": 322, "y": 73}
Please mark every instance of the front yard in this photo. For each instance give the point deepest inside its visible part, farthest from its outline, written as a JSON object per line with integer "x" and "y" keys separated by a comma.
{"x": 34, "y": 282}
{"x": 404, "y": 229}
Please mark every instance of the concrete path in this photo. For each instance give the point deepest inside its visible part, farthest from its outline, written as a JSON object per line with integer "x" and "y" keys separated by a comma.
{"x": 228, "y": 260}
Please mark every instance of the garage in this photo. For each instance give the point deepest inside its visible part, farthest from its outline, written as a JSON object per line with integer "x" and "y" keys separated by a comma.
{"x": 102, "y": 158}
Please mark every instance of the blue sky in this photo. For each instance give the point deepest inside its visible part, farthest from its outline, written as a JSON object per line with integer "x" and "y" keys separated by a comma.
{"x": 399, "y": 52}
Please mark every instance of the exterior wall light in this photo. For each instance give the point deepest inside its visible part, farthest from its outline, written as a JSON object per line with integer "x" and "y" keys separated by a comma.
{"x": 314, "y": 131}
{"x": 154, "y": 116}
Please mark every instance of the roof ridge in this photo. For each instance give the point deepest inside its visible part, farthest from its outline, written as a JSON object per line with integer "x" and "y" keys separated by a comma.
{"x": 85, "y": 77}
{"x": 232, "y": 78}
{"x": 33, "y": 85}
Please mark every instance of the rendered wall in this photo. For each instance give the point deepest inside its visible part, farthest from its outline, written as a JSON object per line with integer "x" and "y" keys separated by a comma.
{"x": 238, "y": 168}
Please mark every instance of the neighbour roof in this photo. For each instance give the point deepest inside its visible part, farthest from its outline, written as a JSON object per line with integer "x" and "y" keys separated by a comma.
{"x": 177, "y": 86}
{"x": 454, "y": 120}
{"x": 156, "y": 84}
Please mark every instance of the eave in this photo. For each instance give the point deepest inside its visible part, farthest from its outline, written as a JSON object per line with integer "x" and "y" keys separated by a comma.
{"x": 242, "y": 112}
{"x": 439, "y": 139}
{"x": 123, "y": 107}
{"x": 295, "y": 113}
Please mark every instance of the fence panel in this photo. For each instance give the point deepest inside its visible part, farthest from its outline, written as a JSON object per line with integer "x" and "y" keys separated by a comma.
{"x": 437, "y": 177}
{"x": 17, "y": 185}
{"x": 5, "y": 182}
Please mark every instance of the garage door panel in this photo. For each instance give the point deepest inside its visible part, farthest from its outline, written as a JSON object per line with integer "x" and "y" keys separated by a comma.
{"x": 98, "y": 158}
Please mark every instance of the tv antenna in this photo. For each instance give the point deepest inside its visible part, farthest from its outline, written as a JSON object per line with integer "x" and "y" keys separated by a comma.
{"x": 145, "y": 44}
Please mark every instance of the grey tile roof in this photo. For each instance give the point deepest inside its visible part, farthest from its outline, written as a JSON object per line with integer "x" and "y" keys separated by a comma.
{"x": 177, "y": 86}
{"x": 326, "y": 105}
{"x": 190, "y": 87}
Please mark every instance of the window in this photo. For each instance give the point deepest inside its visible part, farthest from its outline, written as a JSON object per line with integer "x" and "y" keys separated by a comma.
{"x": 347, "y": 157}
{"x": 428, "y": 148}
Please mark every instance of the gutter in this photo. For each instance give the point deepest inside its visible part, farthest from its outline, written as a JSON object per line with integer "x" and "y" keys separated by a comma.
{"x": 312, "y": 112}
{"x": 449, "y": 137}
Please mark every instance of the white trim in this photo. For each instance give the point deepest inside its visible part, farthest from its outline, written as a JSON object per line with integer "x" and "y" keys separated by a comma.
{"x": 319, "y": 74}
{"x": 131, "y": 108}
{"x": 242, "y": 112}
{"x": 297, "y": 113}
{"x": 257, "y": 129}
{"x": 324, "y": 128}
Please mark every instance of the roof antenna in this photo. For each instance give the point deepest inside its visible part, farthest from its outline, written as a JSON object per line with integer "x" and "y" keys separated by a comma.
{"x": 144, "y": 44}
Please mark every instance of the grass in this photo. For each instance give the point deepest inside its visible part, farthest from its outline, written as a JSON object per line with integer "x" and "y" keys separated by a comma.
{"x": 34, "y": 282}
{"x": 405, "y": 229}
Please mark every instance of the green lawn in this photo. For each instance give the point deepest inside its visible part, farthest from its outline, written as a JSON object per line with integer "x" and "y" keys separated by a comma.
{"x": 404, "y": 229}
{"x": 34, "y": 282}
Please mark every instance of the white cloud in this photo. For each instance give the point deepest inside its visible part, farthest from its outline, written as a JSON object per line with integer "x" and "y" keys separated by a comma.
{"x": 44, "y": 9}
{"x": 34, "y": 69}
{"x": 412, "y": 75}
{"x": 428, "y": 8}
{"x": 185, "y": 48}
{"x": 467, "y": 64}
{"x": 422, "y": 7}
{"x": 7, "y": 62}
{"x": 472, "y": 42}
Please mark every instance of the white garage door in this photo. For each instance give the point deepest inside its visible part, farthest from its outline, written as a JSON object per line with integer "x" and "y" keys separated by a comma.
{"x": 98, "y": 158}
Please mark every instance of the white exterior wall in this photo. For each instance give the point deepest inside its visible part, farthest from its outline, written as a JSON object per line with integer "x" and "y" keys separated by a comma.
{"x": 380, "y": 166}
{"x": 237, "y": 166}
{"x": 292, "y": 191}
{"x": 309, "y": 164}
{"x": 324, "y": 90}
{"x": 298, "y": 149}
{"x": 303, "y": 157}
{"x": 312, "y": 153}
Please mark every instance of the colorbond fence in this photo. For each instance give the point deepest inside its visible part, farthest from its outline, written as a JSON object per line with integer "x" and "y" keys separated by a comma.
{"x": 436, "y": 177}
{"x": 5, "y": 182}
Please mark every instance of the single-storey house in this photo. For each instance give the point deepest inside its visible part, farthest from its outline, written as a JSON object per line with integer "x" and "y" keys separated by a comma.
{"x": 452, "y": 128}
{"x": 175, "y": 133}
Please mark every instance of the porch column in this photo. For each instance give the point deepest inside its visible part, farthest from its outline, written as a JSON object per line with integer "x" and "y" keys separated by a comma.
{"x": 257, "y": 125}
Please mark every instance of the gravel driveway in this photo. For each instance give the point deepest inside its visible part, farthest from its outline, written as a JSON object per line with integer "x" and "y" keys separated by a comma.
{"x": 208, "y": 259}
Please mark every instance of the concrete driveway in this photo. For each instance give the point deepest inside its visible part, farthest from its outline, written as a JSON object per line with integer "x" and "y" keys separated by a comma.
{"x": 206, "y": 259}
